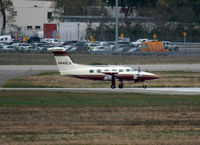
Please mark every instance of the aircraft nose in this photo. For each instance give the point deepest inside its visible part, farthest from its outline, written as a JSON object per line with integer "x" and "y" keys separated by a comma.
{"x": 154, "y": 76}
{"x": 149, "y": 76}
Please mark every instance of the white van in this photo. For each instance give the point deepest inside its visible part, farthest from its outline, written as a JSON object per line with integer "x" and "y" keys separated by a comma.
{"x": 5, "y": 38}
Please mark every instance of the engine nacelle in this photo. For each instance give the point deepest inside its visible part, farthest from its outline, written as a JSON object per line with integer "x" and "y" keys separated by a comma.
{"x": 107, "y": 77}
{"x": 138, "y": 80}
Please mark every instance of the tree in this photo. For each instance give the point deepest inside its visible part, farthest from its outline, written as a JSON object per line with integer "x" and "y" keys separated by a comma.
{"x": 186, "y": 11}
{"x": 76, "y": 8}
{"x": 128, "y": 6}
{"x": 7, "y": 12}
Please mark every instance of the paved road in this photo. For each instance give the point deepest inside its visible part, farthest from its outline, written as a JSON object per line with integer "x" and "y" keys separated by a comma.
{"x": 14, "y": 71}
{"x": 147, "y": 67}
{"x": 8, "y": 74}
{"x": 170, "y": 91}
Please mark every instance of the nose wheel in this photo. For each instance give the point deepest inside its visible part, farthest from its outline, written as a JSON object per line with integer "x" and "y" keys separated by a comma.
{"x": 145, "y": 85}
{"x": 121, "y": 85}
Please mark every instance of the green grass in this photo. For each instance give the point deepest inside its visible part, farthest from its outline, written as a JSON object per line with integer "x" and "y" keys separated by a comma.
{"x": 47, "y": 73}
{"x": 55, "y": 80}
{"x": 60, "y": 136}
{"x": 69, "y": 99}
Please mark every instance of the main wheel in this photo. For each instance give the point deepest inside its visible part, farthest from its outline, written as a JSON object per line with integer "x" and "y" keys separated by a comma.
{"x": 112, "y": 86}
{"x": 144, "y": 86}
{"x": 176, "y": 49}
{"x": 121, "y": 86}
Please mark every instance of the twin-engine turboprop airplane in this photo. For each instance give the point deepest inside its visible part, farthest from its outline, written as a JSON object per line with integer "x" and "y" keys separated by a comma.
{"x": 100, "y": 73}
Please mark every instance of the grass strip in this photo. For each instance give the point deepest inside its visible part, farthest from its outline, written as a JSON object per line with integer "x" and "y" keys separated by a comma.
{"x": 55, "y": 80}
{"x": 70, "y": 99}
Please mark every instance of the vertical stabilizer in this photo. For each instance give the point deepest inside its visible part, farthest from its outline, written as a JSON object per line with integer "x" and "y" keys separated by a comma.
{"x": 63, "y": 61}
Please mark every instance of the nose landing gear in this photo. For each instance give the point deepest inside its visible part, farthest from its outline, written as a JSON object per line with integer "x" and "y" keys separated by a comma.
{"x": 121, "y": 84}
{"x": 145, "y": 85}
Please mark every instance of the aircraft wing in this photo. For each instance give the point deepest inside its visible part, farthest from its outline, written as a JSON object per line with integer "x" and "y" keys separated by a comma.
{"x": 110, "y": 73}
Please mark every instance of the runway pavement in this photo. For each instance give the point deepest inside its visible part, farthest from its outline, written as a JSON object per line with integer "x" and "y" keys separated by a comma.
{"x": 146, "y": 67}
{"x": 169, "y": 91}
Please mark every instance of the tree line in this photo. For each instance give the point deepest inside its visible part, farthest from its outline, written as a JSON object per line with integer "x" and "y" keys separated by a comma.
{"x": 171, "y": 16}
{"x": 168, "y": 18}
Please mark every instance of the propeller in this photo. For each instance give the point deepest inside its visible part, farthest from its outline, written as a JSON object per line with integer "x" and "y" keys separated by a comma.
{"x": 138, "y": 74}
{"x": 139, "y": 69}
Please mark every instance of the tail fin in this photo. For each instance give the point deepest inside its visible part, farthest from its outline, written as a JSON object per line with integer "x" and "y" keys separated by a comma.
{"x": 63, "y": 61}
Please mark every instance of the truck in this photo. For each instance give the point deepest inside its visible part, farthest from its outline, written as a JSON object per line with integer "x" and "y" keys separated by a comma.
{"x": 153, "y": 47}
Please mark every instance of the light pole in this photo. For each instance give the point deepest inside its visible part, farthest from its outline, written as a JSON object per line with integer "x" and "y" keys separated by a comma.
{"x": 185, "y": 34}
{"x": 116, "y": 25}
{"x": 78, "y": 30}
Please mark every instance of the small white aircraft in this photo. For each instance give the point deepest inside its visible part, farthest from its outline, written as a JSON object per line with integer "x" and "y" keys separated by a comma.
{"x": 101, "y": 73}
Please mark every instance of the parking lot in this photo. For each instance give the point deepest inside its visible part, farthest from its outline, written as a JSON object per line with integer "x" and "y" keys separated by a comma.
{"x": 139, "y": 47}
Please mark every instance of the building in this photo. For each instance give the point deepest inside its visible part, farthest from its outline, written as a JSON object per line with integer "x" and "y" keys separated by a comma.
{"x": 32, "y": 14}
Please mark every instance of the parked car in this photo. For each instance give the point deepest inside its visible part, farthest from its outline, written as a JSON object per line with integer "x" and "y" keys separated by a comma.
{"x": 133, "y": 50}
{"x": 122, "y": 48}
{"x": 98, "y": 49}
{"x": 9, "y": 47}
{"x": 21, "y": 46}
{"x": 33, "y": 39}
{"x": 1, "y": 47}
{"x": 139, "y": 42}
{"x": 5, "y": 38}
{"x": 56, "y": 42}
{"x": 70, "y": 48}
{"x": 33, "y": 49}
{"x": 170, "y": 46}
{"x": 73, "y": 42}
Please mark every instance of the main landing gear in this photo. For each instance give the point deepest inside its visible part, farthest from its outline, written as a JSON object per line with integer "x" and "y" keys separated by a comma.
{"x": 113, "y": 85}
{"x": 121, "y": 85}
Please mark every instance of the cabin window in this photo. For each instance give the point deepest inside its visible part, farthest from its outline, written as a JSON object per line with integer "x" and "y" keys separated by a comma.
{"x": 121, "y": 70}
{"x": 128, "y": 70}
{"x": 98, "y": 71}
{"x": 91, "y": 71}
{"x": 106, "y": 70}
{"x": 114, "y": 70}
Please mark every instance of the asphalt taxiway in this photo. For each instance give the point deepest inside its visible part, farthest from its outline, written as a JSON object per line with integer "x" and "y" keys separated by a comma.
{"x": 169, "y": 91}
{"x": 14, "y": 71}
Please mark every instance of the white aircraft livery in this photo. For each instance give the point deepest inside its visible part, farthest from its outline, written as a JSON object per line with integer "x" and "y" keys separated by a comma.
{"x": 100, "y": 73}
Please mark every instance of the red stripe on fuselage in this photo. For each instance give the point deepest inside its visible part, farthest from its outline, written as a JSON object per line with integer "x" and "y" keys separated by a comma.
{"x": 90, "y": 77}
{"x": 149, "y": 77}
{"x": 126, "y": 77}
{"x": 123, "y": 77}
{"x": 60, "y": 53}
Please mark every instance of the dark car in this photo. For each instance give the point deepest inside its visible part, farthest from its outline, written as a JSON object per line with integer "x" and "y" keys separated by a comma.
{"x": 73, "y": 42}
{"x": 80, "y": 45}
{"x": 34, "y": 39}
